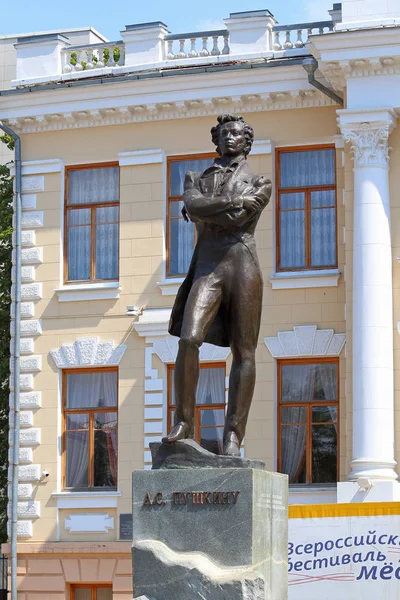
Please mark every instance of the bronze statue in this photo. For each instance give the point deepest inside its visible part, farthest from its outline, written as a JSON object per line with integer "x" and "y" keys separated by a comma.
{"x": 221, "y": 298}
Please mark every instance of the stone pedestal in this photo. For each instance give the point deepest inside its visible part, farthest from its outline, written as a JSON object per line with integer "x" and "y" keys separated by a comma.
{"x": 216, "y": 530}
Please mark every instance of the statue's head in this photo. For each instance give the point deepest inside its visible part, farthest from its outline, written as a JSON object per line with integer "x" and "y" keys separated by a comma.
{"x": 232, "y": 136}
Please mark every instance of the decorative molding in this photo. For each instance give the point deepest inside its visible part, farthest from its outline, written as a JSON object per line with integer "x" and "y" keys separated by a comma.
{"x": 369, "y": 144}
{"x": 28, "y": 400}
{"x": 338, "y": 72}
{"x": 170, "y": 287}
{"x": 33, "y": 184}
{"x": 292, "y": 280}
{"x": 24, "y": 529}
{"x": 25, "y": 491}
{"x": 87, "y": 499}
{"x": 28, "y": 473}
{"x": 92, "y": 291}
{"x": 38, "y": 167}
{"x": 29, "y": 437}
{"x": 28, "y": 238}
{"x": 28, "y": 201}
{"x": 174, "y": 109}
{"x": 88, "y": 352}
{"x": 89, "y": 523}
{"x": 31, "y": 291}
{"x": 153, "y": 322}
{"x": 32, "y": 327}
{"x": 32, "y": 219}
{"x": 306, "y": 340}
{"x": 141, "y": 157}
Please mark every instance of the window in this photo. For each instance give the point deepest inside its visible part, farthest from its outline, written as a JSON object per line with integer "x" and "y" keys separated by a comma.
{"x": 308, "y": 420}
{"x": 90, "y": 417}
{"x": 91, "y": 592}
{"x": 210, "y": 405}
{"x": 180, "y": 234}
{"x": 92, "y": 223}
{"x": 306, "y": 209}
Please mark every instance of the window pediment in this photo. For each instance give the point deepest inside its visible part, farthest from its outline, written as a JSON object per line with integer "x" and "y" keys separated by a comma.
{"x": 306, "y": 340}
{"x": 88, "y": 352}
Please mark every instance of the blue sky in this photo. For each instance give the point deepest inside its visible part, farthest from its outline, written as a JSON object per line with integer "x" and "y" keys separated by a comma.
{"x": 110, "y": 16}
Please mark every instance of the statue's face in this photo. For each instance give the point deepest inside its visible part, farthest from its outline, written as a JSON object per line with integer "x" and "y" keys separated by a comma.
{"x": 232, "y": 140}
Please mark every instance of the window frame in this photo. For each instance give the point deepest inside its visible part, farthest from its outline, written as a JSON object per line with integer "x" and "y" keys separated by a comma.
{"x": 65, "y": 411}
{"x": 198, "y": 407}
{"x": 308, "y": 405}
{"x": 307, "y": 210}
{"x": 171, "y": 159}
{"x": 93, "y": 586}
{"x": 92, "y": 207}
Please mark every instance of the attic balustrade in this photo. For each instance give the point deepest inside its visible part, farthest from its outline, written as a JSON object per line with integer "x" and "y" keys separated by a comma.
{"x": 94, "y": 56}
{"x": 192, "y": 45}
{"x": 289, "y": 37}
{"x": 146, "y": 46}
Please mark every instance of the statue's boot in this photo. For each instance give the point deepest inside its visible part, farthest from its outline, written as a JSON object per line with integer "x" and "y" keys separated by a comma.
{"x": 231, "y": 444}
{"x": 181, "y": 431}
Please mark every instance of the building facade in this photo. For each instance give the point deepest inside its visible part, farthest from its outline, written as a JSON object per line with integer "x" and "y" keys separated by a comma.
{"x": 108, "y": 130}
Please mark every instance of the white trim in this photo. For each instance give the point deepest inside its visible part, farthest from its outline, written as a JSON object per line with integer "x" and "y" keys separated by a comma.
{"x": 170, "y": 287}
{"x": 260, "y": 147}
{"x": 39, "y": 167}
{"x": 88, "y": 352}
{"x": 89, "y": 523}
{"x": 306, "y": 340}
{"x": 87, "y": 499}
{"x": 141, "y": 157}
{"x": 153, "y": 323}
{"x": 88, "y": 291}
{"x": 290, "y": 280}
{"x": 312, "y": 495}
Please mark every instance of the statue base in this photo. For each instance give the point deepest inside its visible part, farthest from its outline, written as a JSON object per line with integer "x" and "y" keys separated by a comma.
{"x": 212, "y": 530}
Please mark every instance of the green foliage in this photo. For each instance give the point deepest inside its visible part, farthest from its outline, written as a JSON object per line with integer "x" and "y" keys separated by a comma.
{"x": 106, "y": 57}
{"x": 6, "y": 193}
{"x": 8, "y": 141}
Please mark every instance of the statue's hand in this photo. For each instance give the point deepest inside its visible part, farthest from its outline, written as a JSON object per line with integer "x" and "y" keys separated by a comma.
{"x": 252, "y": 203}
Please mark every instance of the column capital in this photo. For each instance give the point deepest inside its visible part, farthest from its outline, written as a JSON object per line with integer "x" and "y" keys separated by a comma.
{"x": 367, "y": 132}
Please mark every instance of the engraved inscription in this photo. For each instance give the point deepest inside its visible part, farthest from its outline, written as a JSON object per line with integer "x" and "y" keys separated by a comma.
{"x": 193, "y": 498}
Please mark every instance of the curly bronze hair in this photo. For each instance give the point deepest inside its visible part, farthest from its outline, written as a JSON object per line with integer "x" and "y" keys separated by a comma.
{"x": 248, "y": 131}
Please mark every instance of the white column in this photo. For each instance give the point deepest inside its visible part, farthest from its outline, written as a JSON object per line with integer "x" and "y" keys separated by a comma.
{"x": 373, "y": 388}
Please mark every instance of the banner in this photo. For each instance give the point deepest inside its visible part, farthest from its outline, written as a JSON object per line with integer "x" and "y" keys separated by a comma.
{"x": 353, "y": 554}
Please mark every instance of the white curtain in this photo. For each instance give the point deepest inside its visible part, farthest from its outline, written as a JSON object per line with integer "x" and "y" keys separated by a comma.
{"x": 181, "y": 232}
{"x": 303, "y": 169}
{"x": 297, "y": 385}
{"x": 89, "y": 390}
{"x": 88, "y": 186}
{"x": 292, "y": 239}
{"x": 211, "y": 387}
{"x": 328, "y": 374}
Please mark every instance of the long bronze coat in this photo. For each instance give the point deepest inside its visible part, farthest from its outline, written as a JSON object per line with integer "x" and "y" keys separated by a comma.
{"x": 212, "y": 200}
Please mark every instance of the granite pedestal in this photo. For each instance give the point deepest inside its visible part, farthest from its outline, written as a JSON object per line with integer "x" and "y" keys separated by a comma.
{"x": 208, "y": 527}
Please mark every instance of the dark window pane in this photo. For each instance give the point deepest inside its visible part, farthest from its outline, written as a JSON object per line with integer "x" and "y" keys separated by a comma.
{"x": 105, "y": 458}
{"x": 181, "y": 244}
{"x": 79, "y": 216}
{"x": 292, "y": 239}
{"x": 104, "y": 594}
{"x": 107, "y": 251}
{"x": 178, "y": 170}
{"x": 312, "y": 167}
{"x": 82, "y": 594}
{"x": 78, "y": 253}
{"x": 323, "y": 198}
{"x": 107, "y": 214}
{"x": 77, "y": 456}
{"x": 293, "y": 452}
{"x": 92, "y": 390}
{"x": 324, "y": 414}
{"x": 212, "y": 418}
{"x": 323, "y": 237}
{"x": 77, "y": 421}
{"x": 324, "y": 454}
{"x": 309, "y": 382}
{"x": 89, "y": 186}
{"x": 107, "y": 420}
{"x": 294, "y": 200}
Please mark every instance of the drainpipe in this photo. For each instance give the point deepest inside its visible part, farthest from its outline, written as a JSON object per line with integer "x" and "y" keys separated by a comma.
{"x": 16, "y": 358}
{"x": 311, "y": 65}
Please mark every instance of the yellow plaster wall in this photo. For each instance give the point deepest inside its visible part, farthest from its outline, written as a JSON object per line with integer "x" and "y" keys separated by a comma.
{"x": 141, "y": 254}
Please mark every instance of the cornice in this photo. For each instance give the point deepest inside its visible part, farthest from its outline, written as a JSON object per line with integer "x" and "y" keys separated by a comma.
{"x": 137, "y": 113}
{"x": 157, "y": 99}
{"x": 338, "y": 72}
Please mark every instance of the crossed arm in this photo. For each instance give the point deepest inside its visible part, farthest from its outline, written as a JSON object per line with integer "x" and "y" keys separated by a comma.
{"x": 224, "y": 210}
